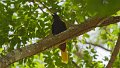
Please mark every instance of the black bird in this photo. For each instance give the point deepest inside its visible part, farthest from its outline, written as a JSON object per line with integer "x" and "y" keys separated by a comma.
{"x": 59, "y": 26}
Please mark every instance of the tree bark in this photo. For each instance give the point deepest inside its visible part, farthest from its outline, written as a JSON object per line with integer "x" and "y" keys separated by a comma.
{"x": 114, "y": 53}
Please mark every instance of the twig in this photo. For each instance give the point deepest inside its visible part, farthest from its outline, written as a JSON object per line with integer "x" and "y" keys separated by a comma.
{"x": 38, "y": 6}
{"x": 75, "y": 64}
{"x": 114, "y": 54}
{"x": 41, "y": 9}
{"x": 98, "y": 46}
{"x": 46, "y": 7}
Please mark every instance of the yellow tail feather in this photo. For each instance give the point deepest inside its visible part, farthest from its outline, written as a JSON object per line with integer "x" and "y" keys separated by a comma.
{"x": 64, "y": 56}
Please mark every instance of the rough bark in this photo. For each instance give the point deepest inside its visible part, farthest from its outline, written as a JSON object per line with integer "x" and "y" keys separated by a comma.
{"x": 114, "y": 53}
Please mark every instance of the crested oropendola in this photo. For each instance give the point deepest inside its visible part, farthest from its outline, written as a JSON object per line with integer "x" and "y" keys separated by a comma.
{"x": 59, "y": 26}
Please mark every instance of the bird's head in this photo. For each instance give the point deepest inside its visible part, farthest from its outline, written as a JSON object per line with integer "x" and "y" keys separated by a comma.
{"x": 55, "y": 16}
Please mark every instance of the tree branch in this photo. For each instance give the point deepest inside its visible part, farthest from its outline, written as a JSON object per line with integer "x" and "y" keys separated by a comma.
{"x": 114, "y": 54}
{"x": 109, "y": 20}
{"x": 75, "y": 64}
{"x": 46, "y": 43}
{"x": 46, "y": 7}
{"x": 38, "y": 6}
{"x": 98, "y": 46}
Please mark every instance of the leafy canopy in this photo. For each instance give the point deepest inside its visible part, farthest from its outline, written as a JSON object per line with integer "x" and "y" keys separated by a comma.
{"x": 22, "y": 22}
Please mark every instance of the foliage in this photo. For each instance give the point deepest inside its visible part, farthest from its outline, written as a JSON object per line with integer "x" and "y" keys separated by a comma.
{"x": 22, "y": 23}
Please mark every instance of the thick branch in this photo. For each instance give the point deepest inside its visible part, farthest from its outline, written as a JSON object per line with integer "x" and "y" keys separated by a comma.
{"x": 109, "y": 20}
{"x": 114, "y": 54}
{"x": 33, "y": 49}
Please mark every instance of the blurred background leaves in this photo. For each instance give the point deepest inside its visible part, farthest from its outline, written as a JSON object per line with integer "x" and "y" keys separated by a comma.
{"x": 22, "y": 22}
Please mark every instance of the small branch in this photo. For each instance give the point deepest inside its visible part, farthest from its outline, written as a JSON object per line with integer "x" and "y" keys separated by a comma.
{"x": 114, "y": 54}
{"x": 98, "y": 46}
{"x": 46, "y": 7}
{"x": 38, "y": 6}
{"x": 41, "y": 8}
{"x": 75, "y": 64}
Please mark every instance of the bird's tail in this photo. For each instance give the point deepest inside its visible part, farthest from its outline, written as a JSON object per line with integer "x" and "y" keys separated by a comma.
{"x": 64, "y": 56}
{"x": 64, "y": 53}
